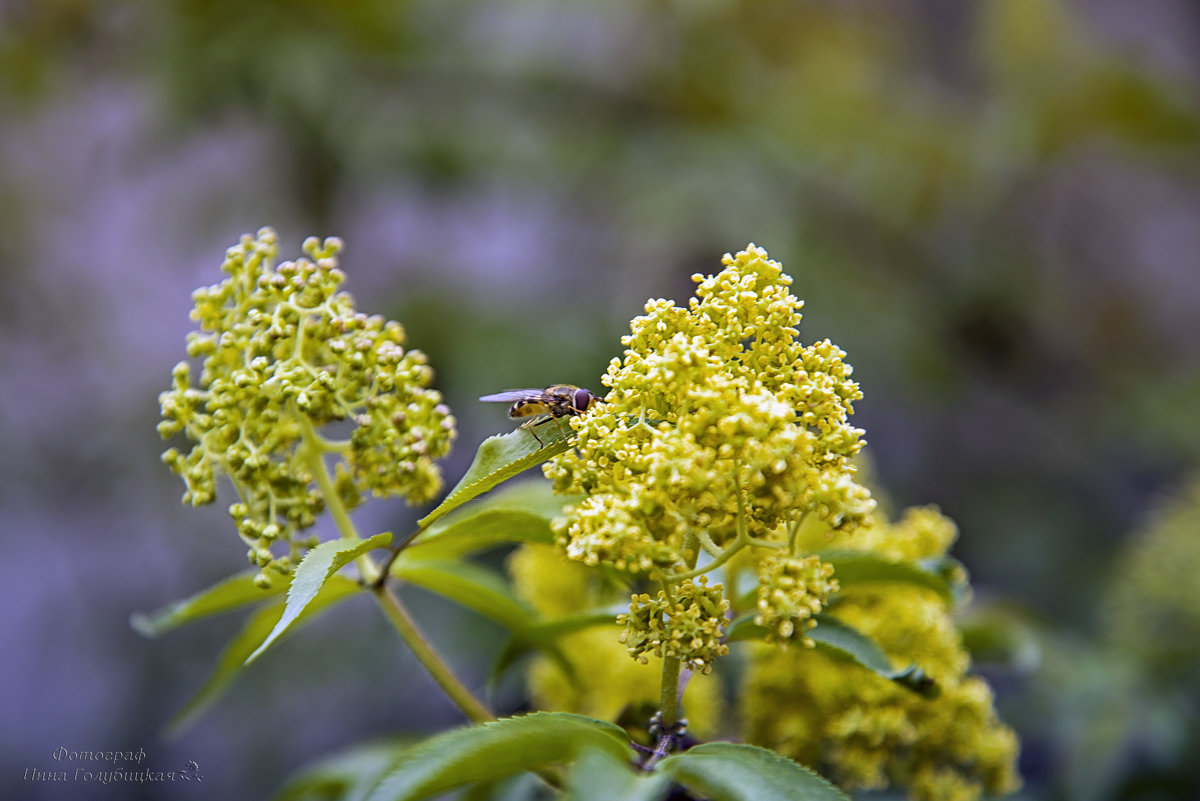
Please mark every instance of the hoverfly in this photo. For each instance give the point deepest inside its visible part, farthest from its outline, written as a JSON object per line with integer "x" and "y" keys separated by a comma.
{"x": 551, "y": 403}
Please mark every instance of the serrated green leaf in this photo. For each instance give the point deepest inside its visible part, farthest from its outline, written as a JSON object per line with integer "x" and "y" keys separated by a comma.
{"x": 492, "y": 750}
{"x": 851, "y": 568}
{"x": 481, "y": 530}
{"x": 347, "y": 776}
{"x": 470, "y": 585}
{"x": 318, "y": 566}
{"x": 520, "y": 512}
{"x": 597, "y": 776}
{"x": 257, "y": 627}
{"x": 500, "y": 458}
{"x": 737, "y": 772}
{"x": 533, "y": 495}
{"x": 842, "y": 642}
{"x": 231, "y": 593}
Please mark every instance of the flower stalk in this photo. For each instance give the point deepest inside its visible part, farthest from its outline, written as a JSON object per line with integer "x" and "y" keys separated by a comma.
{"x": 397, "y": 614}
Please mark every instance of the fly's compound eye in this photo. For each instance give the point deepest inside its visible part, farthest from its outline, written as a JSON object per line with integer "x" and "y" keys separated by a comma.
{"x": 583, "y": 399}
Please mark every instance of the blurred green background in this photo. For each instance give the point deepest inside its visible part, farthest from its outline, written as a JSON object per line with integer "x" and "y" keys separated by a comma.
{"x": 994, "y": 207}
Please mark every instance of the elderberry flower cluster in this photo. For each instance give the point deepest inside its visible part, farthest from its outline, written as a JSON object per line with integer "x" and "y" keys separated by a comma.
{"x": 686, "y": 625}
{"x": 721, "y": 432}
{"x": 790, "y": 592}
{"x": 284, "y": 352}
{"x": 593, "y": 674}
{"x": 861, "y": 729}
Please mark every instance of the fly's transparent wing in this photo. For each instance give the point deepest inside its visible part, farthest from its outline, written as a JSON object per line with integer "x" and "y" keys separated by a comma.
{"x": 514, "y": 395}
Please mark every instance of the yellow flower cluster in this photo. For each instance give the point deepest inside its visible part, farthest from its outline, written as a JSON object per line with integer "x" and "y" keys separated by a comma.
{"x": 285, "y": 352}
{"x": 606, "y": 682}
{"x": 864, "y": 731}
{"x": 725, "y": 445}
{"x": 790, "y": 592}
{"x": 714, "y": 405}
{"x": 720, "y": 431}
{"x": 686, "y": 626}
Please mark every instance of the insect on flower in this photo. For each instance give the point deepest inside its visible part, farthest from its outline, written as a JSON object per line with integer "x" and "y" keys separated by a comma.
{"x": 551, "y": 403}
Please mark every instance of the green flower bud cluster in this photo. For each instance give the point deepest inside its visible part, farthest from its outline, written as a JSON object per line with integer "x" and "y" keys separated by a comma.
{"x": 284, "y": 352}
{"x": 687, "y": 625}
{"x": 720, "y": 431}
{"x": 864, "y": 731}
{"x": 790, "y": 592}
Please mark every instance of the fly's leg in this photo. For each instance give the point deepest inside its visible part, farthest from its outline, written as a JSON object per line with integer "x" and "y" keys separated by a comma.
{"x": 546, "y": 418}
{"x": 529, "y": 424}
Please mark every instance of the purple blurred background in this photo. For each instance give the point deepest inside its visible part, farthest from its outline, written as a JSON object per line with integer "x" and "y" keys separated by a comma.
{"x": 994, "y": 208}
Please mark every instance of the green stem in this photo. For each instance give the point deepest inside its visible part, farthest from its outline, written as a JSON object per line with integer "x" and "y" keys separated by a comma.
{"x": 774, "y": 545}
{"x": 725, "y": 556}
{"x": 314, "y": 459}
{"x": 668, "y": 703}
{"x": 794, "y": 529}
{"x": 741, "y": 539}
{"x": 333, "y": 445}
{"x": 691, "y": 548}
{"x": 710, "y": 547}
{"x": 423, "y": 650}
{"x": 386, "y": 568}
{"x": 372, "y": 577}
{"x": 743, "y": 533}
